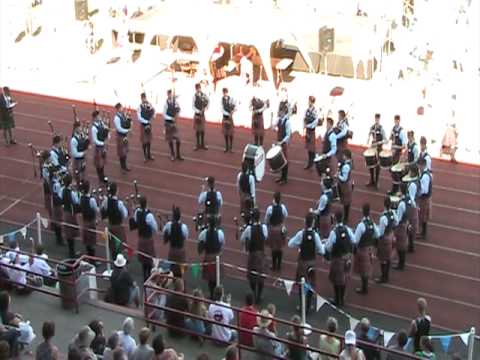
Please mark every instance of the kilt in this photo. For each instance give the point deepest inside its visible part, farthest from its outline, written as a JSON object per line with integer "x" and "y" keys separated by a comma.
{"x": 99, "y": 157}
{"x": 363, "y": 261}
{"x": 412, "y": 217}
{"x": 89, "y": 238}
{"x": 310, "y": 140}
{"x": 178, "y": 255}
{"x": 276, "y": 240}
{"x": 255, "y": 262}
{"x": 285, "y": 150}
{"x": 171, "y": 131}
{"x": 340, "y": 270}
{"x": 258, "y": 127}
{"x": 70, "y": 232}
{"x": 401, "y": 238}
{"x": 120, "y": 233}
{"x": 145, "y": 245}
{"x": 209, "y": 272}
{"x": 332, "y": 163}
{"x": 325, "y": 225}
{"x": 425, "y": 206}
{"x": 302, "y": 270}
{"x": 227, "y": 126}
{"x": 7, "y": 121}
{"x": 244, "y": 198}
{"x": 346, "y": 190}
{"x": 47, "y": 201}
{"x": 341, "y": 145}
{"x": 145, "y": 137}
{"x": 79, "y": 165}
{"x": 57, "y": 214}
{"x": 199, "y": 122}
{"x": 384, "y": 249}
{"x": 122, "y": 146}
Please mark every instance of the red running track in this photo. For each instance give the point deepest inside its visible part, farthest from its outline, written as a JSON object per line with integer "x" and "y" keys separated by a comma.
{"x": 445, "y": 269}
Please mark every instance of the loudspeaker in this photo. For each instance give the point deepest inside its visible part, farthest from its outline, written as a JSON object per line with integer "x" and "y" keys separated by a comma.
{"x": 326, "y": 39}
{"x": 81, "y": 10}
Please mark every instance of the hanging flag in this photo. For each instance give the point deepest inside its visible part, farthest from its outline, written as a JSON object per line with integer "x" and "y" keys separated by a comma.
{"x": 156, "y": 261}
{"x": 387, "y": 336}
{"x": 320, "y": 302}
{"x": 464, "y": 338}
{"x": 23, "y": 231}
{"x": 1, "y": 239}
{"x": 12, "y": 237}
{"x": 130, "y": 251}
{"x": 288, "y": 286}
{"x": 353, "y": 323}
{"x": 195, "y": 268}
{"x": 307, "y": 287}
{"x": 445, "y": 340}
{"x": 183, "y": 268}
{"x": 44, "y": 222}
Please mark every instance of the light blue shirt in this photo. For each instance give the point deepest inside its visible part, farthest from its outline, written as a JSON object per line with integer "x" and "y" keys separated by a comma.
{"x": 402, "y": 136}
{"x": 424, "y": 183}
{"x": 360, "y": 230}
{"x": 95, "y": 134}
{"x": 121, "y": 206}
{"x": 118, "y": 125}
{"x": 323, "y": 202}
{"x": 54, "y": 157}
{"x": 333, "y": 145}
{"x": 184, "y": 229}
{"x": 297, "y": 239}
{"x": 269, "y": 212}
{"x": 167, "y": 117}
{"x": 251, "y": 181}
{"x": 203, "y": 197}
{"x": 312, "y": 112}
{"x": 198, "y": 111}
{"x": 345, "y": 172}
{"x": 383, "y": 223}
{"x": 75, "y": 198}
{"x": 93, "y": 204}
{"x": 141, "y": 119}
{"x": 202, "y": 237}
{"x": 288, "y": 129}
{"x": 416, "y": 154}
{"x": 332, "y": 237}
{"x": 150, "y": 220}
{"x": 343, "y": 126}
{"x": 401, "y": 210}
{"x": 246, "y": 235}
{"x": 74, "y": 149}
{"x": 232, "y": 102}
{"x": 412, "y": 193}
{"x": 428, "y": 159}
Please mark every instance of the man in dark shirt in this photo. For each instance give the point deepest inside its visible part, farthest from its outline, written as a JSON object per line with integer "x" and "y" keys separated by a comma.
{"x": 124, "y": 291}
{"x": 364, "y": 334}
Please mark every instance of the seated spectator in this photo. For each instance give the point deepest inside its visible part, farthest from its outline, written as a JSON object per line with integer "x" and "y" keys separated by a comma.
{"x": 82, "y": 342}
{"x": 427, "y": 351}
{"x": 74, "y": 354}
{"x": 198, "y": 308}
{"x": 98, "y": 343}
{"x": 247, "y": 320}
{"x": 112, "y": 344}
{"x": 159, "y": 298}
{"x": 401, "y": 342}
{"x": 272, "y": 309}
{"x": 351, "y": 352}
{"x": 421, "y": 325}
{"x": 161, "y": 353}
{"x": 10, "y": 335}
{"x": 125, "y": 339}
{"x": 266, "y": 347}
{"x": 296, "y": 335}
{"x": 232, "y": 353}
{"x": 47, "y": 350}
{"x": 39, "y": 265}
{"x": 143, "y": 351}
{"x": 370, "y": 352}
{"x": 177, "y": 302}
{"x": 119, "y": 354}
{"x": 8, "y": 318}
{"x": 330, "y": 343}
{"x": 123, "y": 290}
{"x": 4, "y": 350}
{"x": 221, "y": 312}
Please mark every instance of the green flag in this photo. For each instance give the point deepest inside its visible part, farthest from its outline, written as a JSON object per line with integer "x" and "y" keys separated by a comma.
{"x": 195, "y": 268}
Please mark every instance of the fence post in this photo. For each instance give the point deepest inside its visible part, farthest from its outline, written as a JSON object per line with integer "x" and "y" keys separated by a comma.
{"x": 217, "y": 270}
{"x": 302, "y": 301}
{"x": 39, "y": 228}
{"x": 107, "y": 252}
{"x": 471, "y": 343}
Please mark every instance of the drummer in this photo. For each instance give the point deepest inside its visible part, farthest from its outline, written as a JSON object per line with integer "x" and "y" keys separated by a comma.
{"x": 425, "y": 195}
{"x": 323, "y": 211}
{"x": 424, "y": 154}
{"x": 345, "y": 183}
{"x": 401, "y": 232}
{"x": 412, "y": 149}
{"x": 284, "y": 131}
{"x": 342, "y": 132}
{"x": 246, "y": 187}
{"x": 398, "y": 139}
{"x": 310, "y": 122}
{"x": 211, "y": 199}
{"x": 329, "y": 148}
{"x": 411, "y": 189}
{"x": 376, "y": 139}
{"x": 275, "y": 218}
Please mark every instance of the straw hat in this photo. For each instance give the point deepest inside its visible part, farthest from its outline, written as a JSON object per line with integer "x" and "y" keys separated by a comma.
{"x": 265, "y": 319}
{"x": 120, "y": 261}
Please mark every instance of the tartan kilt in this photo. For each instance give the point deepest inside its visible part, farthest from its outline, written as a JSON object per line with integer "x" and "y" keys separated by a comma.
{"x": 209, "y": 272}
{"x": 89, "y": 238}
{"x": 325, "y": 225}
{"x": 57, "y": 214}
{"x": 340, "y": 270}
{"x": 276, "y": 240}
{"x": 341, "y": 145}
{"x": 145, "y": 138}
{"x": 256, "y": 262}
{"x": 199, "y": 122}
{"x": 346, "y": 190}
{"x": 425, "y": 206}
{"x": 412, "y": 217}
{"x": 363, "y": 261}
{"x": 227, "y": 127}
{"x": 145, "y": 245}
{"x": 244, "y": 198}
{"x": 401, "y": 238}
{"x": 178, "y": 255}
{"x": 332, "y": 163}
{"x": 99, "y": 157}
{"x": 7, "y": 121}
{"x": 171, "y": 132}
{"x": 258, "y": 127}
{"x": 122, "y": 146}
{"x": 70, "y": 232}
{"x": 47, "y": 201}
{"x": 310, "y": 140}
{"x": 302, "y": 270}
{"x": 384, "y": 249}
{"x": 80, "y": 166}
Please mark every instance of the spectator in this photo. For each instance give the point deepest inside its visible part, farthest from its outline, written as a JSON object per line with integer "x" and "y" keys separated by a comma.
{"x": 272, "y": 309}
{"x": 143, "y": 351}
{"x": 198, "y": 308}
{"x": 74, "y": 354}
{"x": 330, "y": 343}
{"x": 247, "y": 320}
{"x": 98, "y": 343}
{"x": 119, "y": 354}
{"x": 370, "y": 352}
{"x": 265, "y": 346}
{"x": 161, "y": 353}
{"x": 11, "y": 336}
{"x": 203, "y": 357}
{"x": 296, "y": 335}
{"x": 159, "y": 298}
{"x": 231, "y": 353}
{"x": 112, "y": 344}
{"x": 39, "y": 265}
{"x": 123, "y": 290}
{"x": 125, "y": 340}
{"x": 401, "y": 342}
{"x": 421, "y": 325}
{"x": 170, "y": 354}
{"x": 82, "y": 342}
{"x": 427, "y": 351}
{"x": 4, "y": 350}
{"x": 221, "y": 312}
{"x": 177, "y": 302}
{"x": 8, "y": 318}
{"x": 47, "y": 350}
{"x": 450, "y": 142}
{"x": 351, "y": 352}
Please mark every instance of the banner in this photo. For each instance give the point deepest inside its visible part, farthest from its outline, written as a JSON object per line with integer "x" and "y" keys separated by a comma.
{"x": 353, "y": 323}
{"x": 196, "y": 269}
{"x": 320, "y": 302}
{"x": 445, "y": 341}
{"x": 387, "y": 336}
{"x": 44, "y": 222}
{"x": 464, "y": 338}
{"x": 288, "y": 286}
{"x": 23, "y": 231}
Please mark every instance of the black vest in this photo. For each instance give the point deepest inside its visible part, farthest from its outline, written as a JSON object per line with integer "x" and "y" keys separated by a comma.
{"x": 201, "y": 101}
{"x": 212, "y": 243}
{"x": 326, "y": 146}
{"x": 411, "y": 155}
{"x": 307, "y": 247}
{"x": 102, "y": 131}
{"x": 423, "y": 329}
{"x": 326, "y": 210}
{"x": 376, "y": 132}
{"x": 257, "y": 239}
{"x": 67, "y": 200}
{"x": 403, "y": 220}
{"x": 390, "y": 221}
{"x": 282, "y": 130}
{"x": 343, "y": 243}
{"x": 144, "y": 230}
{"x": 310, "y": 116}
{"x": 245, "y": 183}
{"x": 88, "y": 212}
{"x": 367, "y": 238}
{"x": 342, "y": 164}
{"x": 227, "y": 104}
{"x": 176, "y": 237}
{"x": 424, "y": 156}
{"x": 62, "y": 157}
{"x": 277, "y": 215}
{"x": 429, "y": 193}
{"x": 211, "y": 202}
{"x": 113, "y": 212}
{"x": 396, "y": 135}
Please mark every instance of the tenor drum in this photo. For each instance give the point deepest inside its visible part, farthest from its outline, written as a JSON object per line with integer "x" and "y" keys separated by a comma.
{"x": 394, "y": 201}
{"x": 398, "y": 172}
{"x": 321, "y": 164}
{"x": 386, "y": 158}
{"x": 370, "y": 156}
{"x": 255, "y": 158}
{"x": 276, "y": 159}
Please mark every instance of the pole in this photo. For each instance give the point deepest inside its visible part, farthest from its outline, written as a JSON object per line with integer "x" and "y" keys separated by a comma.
{"x": 217, "y": 270}
{"x": 39, "y": 228}
{"x": 107, "y": 251}
{"x": 302, "y": 300}
{"x": 471, "y": 343}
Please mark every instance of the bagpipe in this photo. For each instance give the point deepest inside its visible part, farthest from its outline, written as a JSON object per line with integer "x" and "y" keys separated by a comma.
{"x": 82, "y": 139}
{"x": 202, "y": 218}
{"x": 63, "y": 155}
{"x": 201, "y": 101}
{"x": 103, "y": 126}
{"x": 147, "y": 111}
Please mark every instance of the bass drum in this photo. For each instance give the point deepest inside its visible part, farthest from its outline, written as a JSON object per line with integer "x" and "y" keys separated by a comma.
{"x": 255, "y": 158}
{"x": 276, "y": 159}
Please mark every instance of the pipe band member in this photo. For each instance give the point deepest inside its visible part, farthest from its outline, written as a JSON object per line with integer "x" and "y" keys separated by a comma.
{"x": 211, "y": 199}
{"x": 89, "y": 210}
{"x": 257, "y": 107}
{"x": 200, "y": 105}
{"x": 376, "y": 138}
{"x": 100, "y": 133}
{"x": 284, "y": 132}
{"x": 342, "y": 132}
{"x": 70, "y": 204}
{"x": 310, "y": 123}
{"x": 246, "y": 187}
{"x": 170, "y": 114}
{"x": 275, "y": 218}
{"x": 345, "y": 183}
{"x": 175, "y": 233}
{"x": 123, "y": 124}
{"x": 387, "y": 223}
{"x": 425, "y": 196}
{"x": 228, "y": 127}
{"x": 145, "y": 116}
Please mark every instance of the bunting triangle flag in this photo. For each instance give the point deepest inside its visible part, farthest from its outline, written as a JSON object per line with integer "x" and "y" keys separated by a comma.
{"x": 288, "y": 286}
{"x": 320, "y": 302}
{"x": 156, "y": 262}
{"x": 130, "y": 252}
{"x": 183, "y": 268}
{"x": 353, "y": 323}
{"x": 387, "y": 336}
{"x": 44, "y": 222}
{"x": 445, "y": 341}
{"x": 12, "y": 237}
{"x": 464, "y": 338}
{"x": 1, "y": 239}
{"x": 23, "y": 231}
{"x": 195, "y": 268}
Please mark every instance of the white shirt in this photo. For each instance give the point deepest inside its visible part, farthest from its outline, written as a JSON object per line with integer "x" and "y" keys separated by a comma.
{"x": 297, "y": 240}
{"x": 193, "y": 102}
{"x": 231, "y": 101}
{"x": 412, "y": 193}
{"x": 401, "y": 210}
{"x": 246, "y": 235}
{"x": 360, "y": 230}
{"x": 150, "y": 220}
{"x": 142, "y": 120}
{"x": 269, "y": 212}
{"x": 343, "y": 126}
{"x": 415, "y": 152}
{"x": 127, "y": 343}
{"x": 222, "y": 313}
{"x": 167, "y": 117}
{"x": 40, "y": 266}
{"x": 203, "y": 197}
{"x": 288, "y": 128}
{"x": 95, "y": 135}
{"x": 54, "y": 157}
{"x": 74, "y": 149}
{"x": 118, "y": 125}
{"x": 314, "y": 113}
{"x": 332, "y": 237}
{"x": 428, "y": 159}
{"x": 251, "y": 181}
{"x": 402, "y": 136}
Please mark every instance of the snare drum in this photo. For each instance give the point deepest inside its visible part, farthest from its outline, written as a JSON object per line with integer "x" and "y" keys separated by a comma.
{"x": 371, "y": 159}
{"x": 255, "y": 158}
{"x": 398, "y": 172}
{"x": 386, "y": 158}
{"x": 321, "y": 164}
{"x": 276, "y": 159}
{"x": 394, "y": 201}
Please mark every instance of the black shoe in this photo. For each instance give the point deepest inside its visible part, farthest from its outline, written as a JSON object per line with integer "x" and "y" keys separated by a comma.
{"x": 399, "y": 268}
{"x": 151, "y": 158}
{"x": 361, "y": 291}
{"x": 278, "y": 180}
{"x": 308, "y": 166}
{"x": 380, "y": 280}
{"x": 196, "y": 148}
{"x": 13, "y": 142}
{"x": 204, "y": 147}
{"x": 282, "y": 181}
{"x": 369, "y": 184}
{"x": 179, "y": 157}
